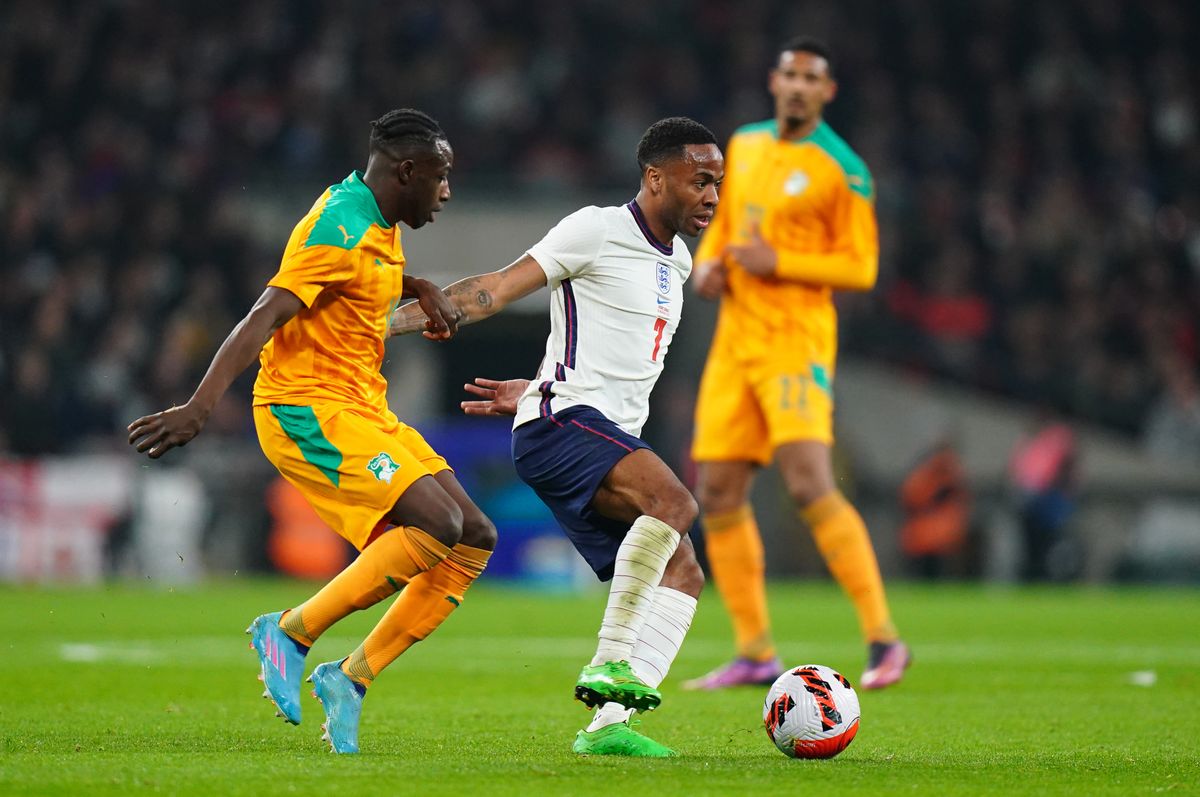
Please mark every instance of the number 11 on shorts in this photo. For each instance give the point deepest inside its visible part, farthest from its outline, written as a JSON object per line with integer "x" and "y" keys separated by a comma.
{"x": 793, "y": 392}
{"x": 659, "y": 325}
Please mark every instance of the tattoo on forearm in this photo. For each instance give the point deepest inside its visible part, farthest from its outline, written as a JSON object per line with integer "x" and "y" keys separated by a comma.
{"x": 409, "y": 318}
{"x": 472, "y": 297}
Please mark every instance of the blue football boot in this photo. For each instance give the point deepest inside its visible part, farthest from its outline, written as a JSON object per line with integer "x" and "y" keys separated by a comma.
{"x": 282, "y": 661}
{"x": 342, "y": 700}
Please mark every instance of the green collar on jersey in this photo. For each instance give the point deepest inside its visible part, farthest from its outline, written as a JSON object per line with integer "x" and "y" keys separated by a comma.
{"x": 348, "y": 213}
{"x": 858, "y": 177}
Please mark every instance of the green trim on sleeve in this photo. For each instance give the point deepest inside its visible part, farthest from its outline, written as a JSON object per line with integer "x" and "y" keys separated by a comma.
{"x": 858, "y": 177}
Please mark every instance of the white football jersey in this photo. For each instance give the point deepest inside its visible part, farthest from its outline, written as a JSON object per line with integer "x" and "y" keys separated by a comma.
{"x": 616, "y": 302}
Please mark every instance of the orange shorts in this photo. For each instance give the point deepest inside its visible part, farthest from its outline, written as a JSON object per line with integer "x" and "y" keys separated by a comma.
{"x": 749, "y": 407}
{"x": 351, "y": 463}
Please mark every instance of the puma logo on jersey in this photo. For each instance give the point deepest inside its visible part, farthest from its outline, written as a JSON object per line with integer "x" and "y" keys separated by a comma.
{"x": 347, "y": 236}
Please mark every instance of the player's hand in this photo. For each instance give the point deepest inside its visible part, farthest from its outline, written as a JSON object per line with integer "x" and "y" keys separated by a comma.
{"x": 499, "y": 397}
{"x": 756, "y": 257}
{"x": 442, "y": 320}
{"x": 157, "y": 434}
{"x": 710, "y": 279}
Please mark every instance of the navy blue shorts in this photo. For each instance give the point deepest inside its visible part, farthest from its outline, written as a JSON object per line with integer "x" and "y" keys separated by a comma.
{"x": 564, "y": 457}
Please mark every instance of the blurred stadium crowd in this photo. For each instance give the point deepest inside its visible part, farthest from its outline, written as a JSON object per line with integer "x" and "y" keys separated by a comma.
{"x": 1037, "y": 164}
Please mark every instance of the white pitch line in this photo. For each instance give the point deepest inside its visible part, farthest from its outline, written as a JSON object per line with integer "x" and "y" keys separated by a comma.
{"x": 209, "y": 650}
{"x": 92, "y": 652}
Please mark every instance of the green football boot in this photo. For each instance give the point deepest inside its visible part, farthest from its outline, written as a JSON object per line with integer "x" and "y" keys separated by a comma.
{"x": 615, "y": 682}
{"x": 619, "y": 739}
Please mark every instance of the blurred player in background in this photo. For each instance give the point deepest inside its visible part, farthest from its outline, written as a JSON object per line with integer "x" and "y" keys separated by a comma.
{"x": 797, "y": 222}
{"x": 321, "y": 412}
{"x": 617, "y": 277}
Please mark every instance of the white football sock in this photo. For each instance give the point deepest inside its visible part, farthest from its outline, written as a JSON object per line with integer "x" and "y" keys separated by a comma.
{"x": 662, "y": 635}
{"x": 641, "y": 560}
{"x": 667, "y": 624}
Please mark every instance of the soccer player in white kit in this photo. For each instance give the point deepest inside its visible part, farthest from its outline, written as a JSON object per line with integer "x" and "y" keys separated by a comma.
{"x": 617, "y": 277}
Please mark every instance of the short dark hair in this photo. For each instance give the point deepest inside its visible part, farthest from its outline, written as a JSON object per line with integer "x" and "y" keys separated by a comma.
{"x": 666, "y": 138}
{"x": 398, "y": 131}
{"x": 808, "y": 44}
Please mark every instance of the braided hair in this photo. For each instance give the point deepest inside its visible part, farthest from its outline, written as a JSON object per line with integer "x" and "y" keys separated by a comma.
{"x": 399, "y": 131}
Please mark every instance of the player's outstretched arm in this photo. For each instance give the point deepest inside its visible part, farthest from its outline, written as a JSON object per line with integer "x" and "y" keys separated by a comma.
{"x": 442, "y": 321}
{"x": 498, "y": 397}
{"x": 158, "y": 433}
{"x": 475, "y": 298}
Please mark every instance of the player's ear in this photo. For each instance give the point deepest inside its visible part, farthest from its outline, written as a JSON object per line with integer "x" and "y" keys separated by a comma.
{"x": 653, "y": 178}
{"x": 831, "y": 92}
{"x": 404, "y": 170}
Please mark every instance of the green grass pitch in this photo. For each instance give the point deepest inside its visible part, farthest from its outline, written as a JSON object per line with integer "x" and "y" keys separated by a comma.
{"x": 1014, "y": 691}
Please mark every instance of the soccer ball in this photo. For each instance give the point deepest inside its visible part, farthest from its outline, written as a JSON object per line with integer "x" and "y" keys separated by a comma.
{"x": 811, "y": 712}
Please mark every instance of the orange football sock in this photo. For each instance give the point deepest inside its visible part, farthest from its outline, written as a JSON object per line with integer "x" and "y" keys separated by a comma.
{"x": 392, "y": 560}
{"x": 842, "y": 539}
{"x": 423, "y": 605}
{"x": 735, "y": 557}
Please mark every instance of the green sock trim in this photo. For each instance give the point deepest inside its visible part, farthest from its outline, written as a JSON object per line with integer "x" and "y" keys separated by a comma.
{"x": 357, "y": 668}
{"x": 292, "y": 624}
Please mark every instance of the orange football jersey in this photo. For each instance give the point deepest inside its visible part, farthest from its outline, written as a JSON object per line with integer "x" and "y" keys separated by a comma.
{"x": 345, "y": 264}
{"x": 812, "y": 201}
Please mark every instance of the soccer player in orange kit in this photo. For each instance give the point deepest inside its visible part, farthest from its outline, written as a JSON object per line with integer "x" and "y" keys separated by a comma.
{"x": 796, "y": 222}
{"x": 320, "y": 409}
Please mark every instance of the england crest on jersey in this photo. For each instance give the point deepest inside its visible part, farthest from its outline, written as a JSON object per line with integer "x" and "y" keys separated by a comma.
{"x": 664, "y": 279}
